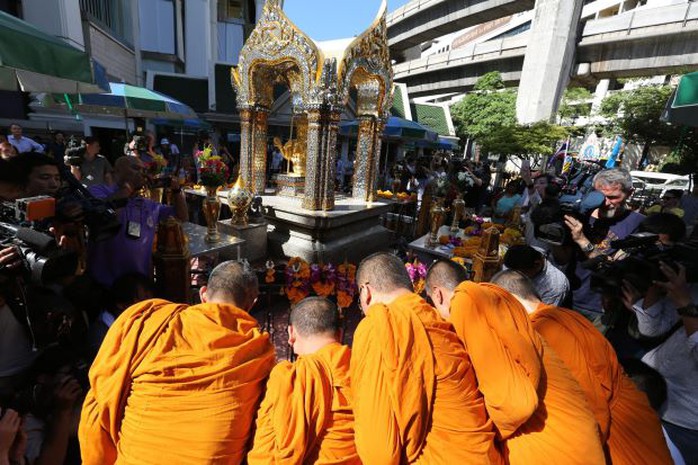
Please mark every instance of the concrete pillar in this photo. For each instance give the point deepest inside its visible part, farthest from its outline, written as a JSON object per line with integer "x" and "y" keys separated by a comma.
{"x": 61, "y": 19}
{"x": 549, "y": 59}
{"x": 197, "y": 29}
{"x": 599, "y": 94}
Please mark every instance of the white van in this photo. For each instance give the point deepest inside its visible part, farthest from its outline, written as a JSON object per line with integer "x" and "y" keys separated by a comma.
{"x": 656, "y": 184}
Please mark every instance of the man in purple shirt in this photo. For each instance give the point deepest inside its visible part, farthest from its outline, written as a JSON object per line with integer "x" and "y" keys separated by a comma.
{"x": 130, "y": 250}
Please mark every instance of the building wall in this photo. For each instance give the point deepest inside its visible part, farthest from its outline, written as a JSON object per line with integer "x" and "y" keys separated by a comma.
{"x": 118, "y": 59}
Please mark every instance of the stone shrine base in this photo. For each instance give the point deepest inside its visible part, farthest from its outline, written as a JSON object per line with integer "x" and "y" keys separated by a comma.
{"x": 351, "y": 231}
{"x": 289, "y": 185}
{"x": 254, "y": 235}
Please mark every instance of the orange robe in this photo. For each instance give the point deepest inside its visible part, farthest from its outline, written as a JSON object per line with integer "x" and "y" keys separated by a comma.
{"x": 415, "y": 392}
{"x": 174, "y": 384}
{"x": 540, "y": 411}
{"x": 628, "y": 425}
{"x": 306, "y": 416}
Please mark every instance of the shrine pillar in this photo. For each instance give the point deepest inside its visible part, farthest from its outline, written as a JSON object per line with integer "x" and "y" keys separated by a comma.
{"x": 246, "y": 147}
{"x": 259, "y": 151}
{"x": 313, "y": 165}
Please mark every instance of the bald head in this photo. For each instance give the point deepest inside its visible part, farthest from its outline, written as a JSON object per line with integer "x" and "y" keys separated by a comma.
{"x": 129, "y": 170}
{"x": 385, "y": 273}
{"x": 446, "y": 274}
{"x": 314, "y": 316}
{"x": 232, "y": 283}
{"x": 517, "y": 284}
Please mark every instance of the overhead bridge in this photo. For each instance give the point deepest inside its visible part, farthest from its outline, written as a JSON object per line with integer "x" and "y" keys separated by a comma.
{"x": 419, "y": 21}
{"x": 640, "y": 42}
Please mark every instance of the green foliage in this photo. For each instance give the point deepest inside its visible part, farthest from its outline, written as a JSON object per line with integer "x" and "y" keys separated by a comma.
{"x": 535, "y": 139}
{"x": 635, "y": 114}
{"x": 574, "y": 103}
{"x": 490, "y": 81}
{"x": 483, "y": 112}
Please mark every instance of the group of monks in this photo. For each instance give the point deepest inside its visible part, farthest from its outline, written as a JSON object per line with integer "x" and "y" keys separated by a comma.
{"x": 484, "y": 374}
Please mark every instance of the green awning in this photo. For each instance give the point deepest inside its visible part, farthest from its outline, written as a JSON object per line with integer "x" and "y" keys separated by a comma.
{"x": 40, "y": 62}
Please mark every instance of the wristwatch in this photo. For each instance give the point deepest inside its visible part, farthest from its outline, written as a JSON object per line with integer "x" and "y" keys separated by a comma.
{"x": 690, "y": 310}
{"x": 588, "y": 248}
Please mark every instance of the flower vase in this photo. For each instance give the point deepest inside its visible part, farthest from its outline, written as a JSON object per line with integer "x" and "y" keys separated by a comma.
{"x": 239, "y": 200}
{"x": 212, "y": 209}
{"x": 155, "y": 194}
{"x": 458, "y": 207}
{"x": 438, "y": 214}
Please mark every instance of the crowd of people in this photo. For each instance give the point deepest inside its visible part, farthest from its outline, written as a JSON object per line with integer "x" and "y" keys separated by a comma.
{"x": 582, "y": 350}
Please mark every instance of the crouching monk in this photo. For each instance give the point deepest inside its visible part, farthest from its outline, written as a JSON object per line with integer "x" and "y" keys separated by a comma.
{"x": 179, "y": 384}
{"x": 306, "y": 415}
{"x": 416, "y": 398}
{"x": 539, "y": 409}
{"x": 629, "y": 427}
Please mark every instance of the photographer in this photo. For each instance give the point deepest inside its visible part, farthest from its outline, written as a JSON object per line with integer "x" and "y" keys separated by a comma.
{"x": 130, "y": 250}
{"x": 88, "y": 166}
{"x": 667, "y": 313}
{"x": 609, "y": 222}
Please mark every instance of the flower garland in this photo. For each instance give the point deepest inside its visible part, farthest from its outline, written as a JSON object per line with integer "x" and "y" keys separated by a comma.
{"x": 325, "y": 280}
{"x": 213, "y": 172}
{"x": 418, "y": 274}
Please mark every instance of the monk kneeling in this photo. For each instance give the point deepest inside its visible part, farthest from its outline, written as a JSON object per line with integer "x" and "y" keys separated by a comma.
{"x": 306, "y": 415}
{"x": 629, "y": 427}
{"x": 174, "y": 384}
{"x": 416, "y": 398}
{"x": 539, "y": 409}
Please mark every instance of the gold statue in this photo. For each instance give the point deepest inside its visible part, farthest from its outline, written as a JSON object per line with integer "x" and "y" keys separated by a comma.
{"x": 295, "y": 150}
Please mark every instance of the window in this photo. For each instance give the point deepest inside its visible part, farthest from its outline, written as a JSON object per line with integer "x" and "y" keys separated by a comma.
{"x": 110, "y": 14}
{"x": 230, "y": 10}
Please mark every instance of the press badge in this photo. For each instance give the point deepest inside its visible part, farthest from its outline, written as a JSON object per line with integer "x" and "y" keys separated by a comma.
{"x": 133, "y": 229}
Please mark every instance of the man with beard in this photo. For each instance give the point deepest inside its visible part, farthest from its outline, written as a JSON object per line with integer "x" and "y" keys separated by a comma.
{"x": 612, "y": 221}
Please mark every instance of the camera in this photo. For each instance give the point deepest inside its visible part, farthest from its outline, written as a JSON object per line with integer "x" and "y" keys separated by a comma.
{"x": 75, "y": 151}
{"x": 641, "y": 267}
{"x": 43, "y": 260}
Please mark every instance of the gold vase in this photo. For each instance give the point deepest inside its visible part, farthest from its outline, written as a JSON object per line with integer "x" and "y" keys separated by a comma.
{"x": 438, "y": 214}
{"x": 155, "y": 194}
{"x": 458, "y": 208}
{"x": 239, "y": 200}
{"x": 212, "y": 209}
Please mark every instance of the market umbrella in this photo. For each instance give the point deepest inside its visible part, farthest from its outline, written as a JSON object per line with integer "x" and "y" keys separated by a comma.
{"x": 34, "y": 61}
{"x": 682, "y": 106}
{"x": 131, "y": 102}
{"x": 395, "y": 127}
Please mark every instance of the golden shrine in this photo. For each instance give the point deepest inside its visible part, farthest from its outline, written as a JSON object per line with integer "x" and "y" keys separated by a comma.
{"x": 320, "y": 79}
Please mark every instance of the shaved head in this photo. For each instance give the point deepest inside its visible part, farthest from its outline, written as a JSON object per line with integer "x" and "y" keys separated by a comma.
{"x": 314, "y": 316}
{"x": 385, "y": 273}
{"x": 447, "y": 274}
{"x": 517, "y": 284}
{"x": 231, "y": 282}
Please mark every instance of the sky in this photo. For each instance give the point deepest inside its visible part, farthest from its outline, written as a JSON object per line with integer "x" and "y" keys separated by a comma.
{"x": 334, "y": 19}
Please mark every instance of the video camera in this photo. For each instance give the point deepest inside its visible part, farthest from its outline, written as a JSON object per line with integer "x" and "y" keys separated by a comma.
{"x": 75, "y": 151}
{"x": 641, "y": 267}
{"x": 548, "y": 218}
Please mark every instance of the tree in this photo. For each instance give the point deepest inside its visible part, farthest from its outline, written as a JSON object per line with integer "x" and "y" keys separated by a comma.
{"x": 485, "y": 110}
{"x": 526, "y": 141}
{"x": 635, "y": 114}
{"x": 575, "y": 103}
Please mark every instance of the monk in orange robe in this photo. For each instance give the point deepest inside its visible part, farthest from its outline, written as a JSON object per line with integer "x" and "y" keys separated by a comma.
{"x": 628, "y": 425}
{"x": 306, "y": 416}
{"x": 174, "y": 384}
{"x": 539, "y": 409}
{"x": 415, "y": 393}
